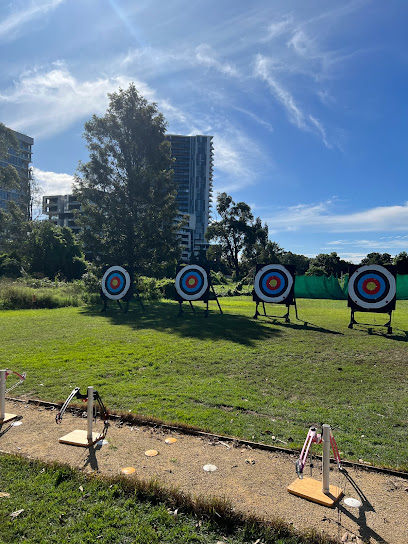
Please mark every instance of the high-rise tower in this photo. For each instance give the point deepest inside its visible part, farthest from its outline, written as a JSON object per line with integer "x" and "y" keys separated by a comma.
{"x": 193, "y": 171}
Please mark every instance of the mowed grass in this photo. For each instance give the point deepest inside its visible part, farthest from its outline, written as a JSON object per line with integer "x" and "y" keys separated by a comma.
{"x": 254, "y": 379}
{"x": 55, "y": 504}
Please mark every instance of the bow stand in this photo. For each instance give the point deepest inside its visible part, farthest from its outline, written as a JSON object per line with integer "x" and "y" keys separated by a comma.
{"x": 85, "y": 438}
{"x": 307, "y": 488}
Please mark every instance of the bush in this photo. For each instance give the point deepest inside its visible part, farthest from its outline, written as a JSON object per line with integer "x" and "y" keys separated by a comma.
{"x": 10, "y": 265}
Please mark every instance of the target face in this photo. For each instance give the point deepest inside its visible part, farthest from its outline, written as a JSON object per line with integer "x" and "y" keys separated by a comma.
{"x": 372, "y": 287}
{"x": 273, "y": 283}
{"x": 192, "y": 282}
{"x": 115, "y": 282}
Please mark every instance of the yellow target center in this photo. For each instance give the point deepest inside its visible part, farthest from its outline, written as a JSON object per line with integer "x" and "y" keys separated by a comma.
{"x": 191, "y": 281}
{"x": 371, "y": 286}
{"x": 273, "y": 283}
{"x": 115, "y": 283}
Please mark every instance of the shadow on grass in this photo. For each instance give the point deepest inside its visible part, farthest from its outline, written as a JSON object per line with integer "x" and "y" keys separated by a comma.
{"x": 306, "y": 325}
{"x": 163, "y": 316}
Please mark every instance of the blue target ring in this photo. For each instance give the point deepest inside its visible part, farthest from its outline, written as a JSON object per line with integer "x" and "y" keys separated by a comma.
{"x": 115, "y": 282}
{"x": 364, "y": 288}
{"x": 273, "y": 283}
{"x": 191, "y": 282}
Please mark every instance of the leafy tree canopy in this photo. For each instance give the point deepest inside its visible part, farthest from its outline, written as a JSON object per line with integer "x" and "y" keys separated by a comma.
{"x": 53, "y": 251}
{"x": 330, "y": 263}
{"x": 237, "y": 231}
{"x": 377, "y": 258}
{"x": 126, "y": 189}
{"x": 401, "y": 261}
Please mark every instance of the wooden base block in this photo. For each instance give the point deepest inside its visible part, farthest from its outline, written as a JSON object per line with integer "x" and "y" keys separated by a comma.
{"x": 310, "y": 489}
{"x": 78, "y": 438}
{"x": 7, "y": 418}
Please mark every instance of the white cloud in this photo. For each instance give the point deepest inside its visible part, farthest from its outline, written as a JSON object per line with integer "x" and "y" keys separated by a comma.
{"x": 53, "y": 183}
{"x": 43, "y": 103}
{"x": 205, "y": 56}
{"x": 14, "y": 23}
{"x": 385, "y": 242}
{"x": 319, "y": 217}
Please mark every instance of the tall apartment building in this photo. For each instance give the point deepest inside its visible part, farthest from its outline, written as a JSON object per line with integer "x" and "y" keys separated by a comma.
{"x": 19, "y": 158}
{"x": 60, "y": 210}
{"x": 193, "y": 172}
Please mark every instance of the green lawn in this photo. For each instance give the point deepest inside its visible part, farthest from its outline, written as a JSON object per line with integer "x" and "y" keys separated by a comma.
{"x": 60, "y": 505}
{"x": 228, "y": 373}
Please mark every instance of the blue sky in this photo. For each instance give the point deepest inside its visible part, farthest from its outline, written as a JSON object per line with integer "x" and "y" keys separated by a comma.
{"x": 306, "y": 100}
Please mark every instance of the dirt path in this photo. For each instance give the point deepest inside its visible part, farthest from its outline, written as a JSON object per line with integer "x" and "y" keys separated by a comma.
{"x": 253, "y": 480}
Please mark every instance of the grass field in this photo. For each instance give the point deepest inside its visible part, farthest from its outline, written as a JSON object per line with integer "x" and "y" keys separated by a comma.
{"x": 60, "y": 505}
{"x": 228, "y": 373}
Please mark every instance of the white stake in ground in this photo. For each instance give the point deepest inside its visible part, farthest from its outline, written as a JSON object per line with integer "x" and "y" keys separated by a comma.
{"x": 308, "y": 488}
{"x": 5, "y": 417}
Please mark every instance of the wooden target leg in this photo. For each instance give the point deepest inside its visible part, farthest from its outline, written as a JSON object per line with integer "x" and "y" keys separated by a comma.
{"x": 264, "y": 309}
{"x": 389, "y": 328}
{"x": 286, "y": 316}
{"x": 180, "y": 309}
{"x": 206, "y": 310}
{"x": 216, "y": 298}
{"x": 105, "y": 305}
{"x": 192, "y": 307}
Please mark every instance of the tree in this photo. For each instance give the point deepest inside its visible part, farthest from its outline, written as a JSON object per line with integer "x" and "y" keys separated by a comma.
{"x": 331, "y": 264}
{"x": 53, "y": 251}
{"x": 300, "y": 262}
{"x": 401, "y": 261}
{"x": 126, "y": 190}
{"x": 9, "y": 178}
{"x": 236, "y": 232}
{"x": 377, "y": 258}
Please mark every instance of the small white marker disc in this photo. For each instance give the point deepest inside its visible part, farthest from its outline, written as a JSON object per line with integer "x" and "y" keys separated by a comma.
{"x": 353, "y": 502}
{"x": 209, "y": 468}
{"x": 102, "y": 442}
{"x": 16, "y": 423}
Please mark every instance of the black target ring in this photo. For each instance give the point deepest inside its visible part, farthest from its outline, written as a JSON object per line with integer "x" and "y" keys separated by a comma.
{"x": 115, "y": 282}
{"x": 191, "y": 282}
{"x": 372, "y": 287}
{"x": 273, "y": 283}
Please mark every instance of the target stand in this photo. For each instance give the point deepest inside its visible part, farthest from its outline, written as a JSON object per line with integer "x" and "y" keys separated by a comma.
{"x": 116, "y": 285}
{"x": 372, "y": 288}
{"x": 274, "y": 283}
{"x": 193, "y": 282}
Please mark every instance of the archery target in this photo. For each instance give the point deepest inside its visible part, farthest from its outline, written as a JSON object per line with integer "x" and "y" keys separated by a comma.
{"x": 372, "y": 287}
{"x": 192, "y": 282}
{"x": 273, "y": 283}
{"x": 115, "y": 282}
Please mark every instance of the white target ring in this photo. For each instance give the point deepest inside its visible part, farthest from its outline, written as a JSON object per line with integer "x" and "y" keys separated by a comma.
{"x": 191, "y": 282}
{"x": 376, "y": 277}
{"x": 273, "y": 283}
{"x": 115, "y": 283}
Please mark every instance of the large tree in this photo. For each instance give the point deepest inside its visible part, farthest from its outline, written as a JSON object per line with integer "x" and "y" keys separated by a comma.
{"x": 377, "y": 258}
{"x": 126, "y": 190}
{"x": 236, "y": 232}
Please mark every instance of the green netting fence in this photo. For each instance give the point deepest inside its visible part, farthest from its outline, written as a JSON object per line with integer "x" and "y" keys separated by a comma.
{"x": 330, "y": 288}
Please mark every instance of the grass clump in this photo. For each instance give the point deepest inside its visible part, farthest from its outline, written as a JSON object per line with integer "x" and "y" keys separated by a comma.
{"x": 60, "y": 504}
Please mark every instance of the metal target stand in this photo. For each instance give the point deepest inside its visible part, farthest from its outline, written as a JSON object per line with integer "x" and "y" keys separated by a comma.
{"x": 4, "y": 416}
{"x": 199, "y": 291}
{"x": 121, "y": 290}
{"x": 378, "y": 278}
{"x": 287, "y": 298}
{"x": 285, "y": 316}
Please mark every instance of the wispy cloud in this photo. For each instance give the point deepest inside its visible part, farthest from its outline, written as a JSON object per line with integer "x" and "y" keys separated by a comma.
{"x": 14, "y": 23}
{"x": 205, "y": 55}
{"x": 384, "y": 242}
{"x": 53, "y": 183}
{"x": 46, "y": 102}
{"x": 319, "y": 217}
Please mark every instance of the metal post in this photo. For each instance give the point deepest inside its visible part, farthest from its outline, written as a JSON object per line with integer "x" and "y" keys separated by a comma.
{"x": 2, "y": 394}
{"x": 90, "y": 413}
{"x": 326, "y": 458}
